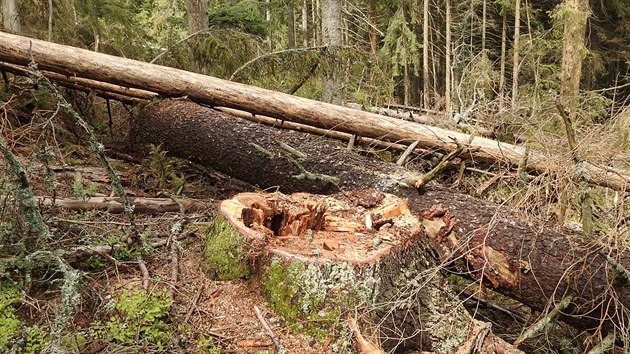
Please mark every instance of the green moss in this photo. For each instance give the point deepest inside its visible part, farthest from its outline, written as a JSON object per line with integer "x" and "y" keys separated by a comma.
{"x": 224, "y": 255}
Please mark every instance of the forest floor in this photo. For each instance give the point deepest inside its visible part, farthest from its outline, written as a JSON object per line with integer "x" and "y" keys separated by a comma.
{"x": 204, "y": 316}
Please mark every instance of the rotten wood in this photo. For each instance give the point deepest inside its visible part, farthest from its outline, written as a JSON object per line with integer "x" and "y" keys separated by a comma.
{"x": 171, "y": 82}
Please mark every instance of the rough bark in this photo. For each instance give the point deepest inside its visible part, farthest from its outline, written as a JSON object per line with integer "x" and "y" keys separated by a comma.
{"x": 516, "y": 49}
{"x": 197, "y": 15}
{"x": 525, "y": 260}
{"x": 332, "y": 37}
{"x": 447, "y": 60}
{"x": 575, "y": 19}
{"x": 425, "y": 54}
{"x": 205, "y": 89}
{"x": 291, "y": 24}
{"x": 304, "y": 24}
{"x": 11, "y": 16}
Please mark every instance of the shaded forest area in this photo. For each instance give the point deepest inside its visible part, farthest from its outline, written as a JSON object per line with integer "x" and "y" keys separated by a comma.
{"x": 339, "y": 176}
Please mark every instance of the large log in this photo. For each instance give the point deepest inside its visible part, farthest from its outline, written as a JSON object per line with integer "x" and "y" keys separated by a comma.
{"x": 523, "y": 259}
{"x": 213, "y": 91}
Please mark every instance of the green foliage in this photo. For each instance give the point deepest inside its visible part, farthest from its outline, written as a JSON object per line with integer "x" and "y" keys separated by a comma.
{"x": 36, "y": 339}
{"x": 80, "y": 191}
{"x": 140, "y": 318}
{"x": 9, "y": 322}
{"x": 401, "y": 43}
{"x": 244, "y": 15}
{"x": 163, "y": 170}
{"x": 206, "y": 345}
{"x": 224, "y": 256}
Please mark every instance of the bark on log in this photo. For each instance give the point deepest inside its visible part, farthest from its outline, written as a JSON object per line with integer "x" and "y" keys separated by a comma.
{"x": 525, "y": 260}
{"x": 205, "y": 89}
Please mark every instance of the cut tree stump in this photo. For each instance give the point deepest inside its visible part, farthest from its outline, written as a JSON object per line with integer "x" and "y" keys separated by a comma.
{"x": 320, "y": 258}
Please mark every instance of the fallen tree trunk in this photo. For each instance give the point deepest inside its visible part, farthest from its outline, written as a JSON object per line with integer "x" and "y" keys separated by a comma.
{"x": 525, "y": 260}
{"x": 114, "y": 205}
{"x": 173, "y": 82}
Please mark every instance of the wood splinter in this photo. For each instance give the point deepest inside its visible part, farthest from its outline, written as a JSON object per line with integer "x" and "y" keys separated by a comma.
{"x": 365, "y": 346}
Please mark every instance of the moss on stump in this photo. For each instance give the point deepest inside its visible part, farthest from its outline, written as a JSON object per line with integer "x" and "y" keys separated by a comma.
{"x": 225, "y": 257}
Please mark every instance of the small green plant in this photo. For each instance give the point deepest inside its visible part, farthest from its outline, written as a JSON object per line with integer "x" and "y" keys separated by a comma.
{"x": 36, "y": 338}
{"x": 80, "y": 191}
{"x": 140, "y": 318}
{"x": 163, "y": 169}
{"x": 206, "y": 345}
{"x": 9, "y": 322}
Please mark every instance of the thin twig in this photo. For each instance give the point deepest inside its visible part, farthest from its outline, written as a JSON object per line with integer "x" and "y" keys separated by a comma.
{"x": 268, "y": 330}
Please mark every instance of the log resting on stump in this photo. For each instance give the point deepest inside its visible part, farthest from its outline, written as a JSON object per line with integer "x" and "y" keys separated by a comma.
{"x": 521, "y": 258}
{"x": 322, "y": 258}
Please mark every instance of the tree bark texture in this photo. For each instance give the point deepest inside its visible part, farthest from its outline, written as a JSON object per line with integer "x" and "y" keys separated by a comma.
{"x": 197, "y": 15}
{"x": 304, "y": 24}
{"x": 516, "y": 49}
{"x": 332, "y": 37}
{"x": 216, "y": 92}
{"x": 11, "y": 16}
{"x": 425, "y": 54}
{"x": 573, "y": 50}
{"x": 525, "y": 260}
{"x": 291, "y": 24}
{"x": 447, "y": 62}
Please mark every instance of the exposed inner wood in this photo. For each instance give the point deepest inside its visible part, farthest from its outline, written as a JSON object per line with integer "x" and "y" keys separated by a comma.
{"x": 321, "y": 227}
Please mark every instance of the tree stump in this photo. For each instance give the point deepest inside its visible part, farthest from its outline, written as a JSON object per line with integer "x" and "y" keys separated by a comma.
{"x": 322, "y": 258}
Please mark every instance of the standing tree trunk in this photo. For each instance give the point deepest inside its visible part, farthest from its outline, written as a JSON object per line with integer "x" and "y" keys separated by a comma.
{"x": 291, "y": 24}
{"x": 50, "y": 20}
{"x": 373, "y": 20}
{"x": 447, "y": 62}
{"x": 575, "y": 16}
{"x": 197, "y": 15}
{"x": 11, "y": 16}
{"x": 304, "y": 24}
{"x": 425, "y": 54}
{"x": 503, "y": 58}
{"x": 268, "y": 19}
{"x": 331, "y": 32}
{"x": 516, "y": 59}
{"x": 483, "y": 26}
{"x": 197, "y": 21}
